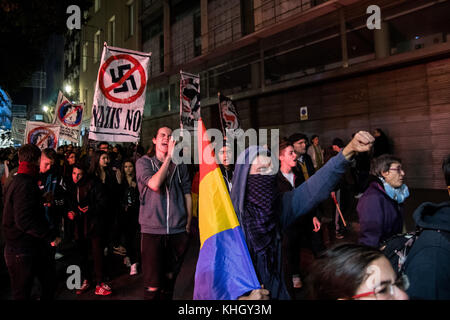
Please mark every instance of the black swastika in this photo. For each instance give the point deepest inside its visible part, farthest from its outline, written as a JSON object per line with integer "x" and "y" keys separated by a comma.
{"x": 121, "y": 72}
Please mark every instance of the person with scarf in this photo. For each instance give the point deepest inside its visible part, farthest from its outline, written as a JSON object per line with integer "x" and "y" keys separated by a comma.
{"x": 264, "y": 213}
{"x": 28, "y": 234}
{"x": 380, "y": 208}
{"x": 316, "y": 152}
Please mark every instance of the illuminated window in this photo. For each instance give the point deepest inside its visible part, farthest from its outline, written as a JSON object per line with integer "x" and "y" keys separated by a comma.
{"x": 112, "y": 31}
{"x": 84, "y": 58}
{"x": 131, "y": 9}
{"x": 97, "y": 46}
{"x": 97, "y": 5}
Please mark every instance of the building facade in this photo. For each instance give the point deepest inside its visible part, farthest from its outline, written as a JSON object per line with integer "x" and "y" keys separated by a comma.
{"x": 114, "y": 22}
{"x": 273, "y": 57}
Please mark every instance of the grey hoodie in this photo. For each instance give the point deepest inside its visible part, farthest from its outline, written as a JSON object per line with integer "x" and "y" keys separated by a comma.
{"x": 162, "y": 211}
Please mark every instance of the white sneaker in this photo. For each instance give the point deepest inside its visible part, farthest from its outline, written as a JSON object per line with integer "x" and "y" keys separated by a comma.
{"x": 58, "y": 256}
{"x": 133, "y": 269}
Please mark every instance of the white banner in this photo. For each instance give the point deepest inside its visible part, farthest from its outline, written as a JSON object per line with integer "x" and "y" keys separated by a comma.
{"x": 44, "y": 135}
{"x": 69, "y": 116}
{"x": 189, "y": 100}
{"x": 18, "y": 128}
{"x": 119, "y": 97}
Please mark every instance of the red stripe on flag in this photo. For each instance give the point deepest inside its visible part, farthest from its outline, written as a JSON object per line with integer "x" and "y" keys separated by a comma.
{"x": 206, "y": 151}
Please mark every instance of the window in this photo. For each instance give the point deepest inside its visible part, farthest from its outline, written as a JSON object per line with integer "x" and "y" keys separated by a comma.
{"x": 97, "y": 5}
{"x": 131, "y": 9}
{"x": 112, "y": 31}
{"x": 85, "y": 56}
{"x": 85, "y": 97}
{"x": 97, "y": 46}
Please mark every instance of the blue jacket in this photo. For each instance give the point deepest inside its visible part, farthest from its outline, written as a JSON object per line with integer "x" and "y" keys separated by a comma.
{"x": 380, "y": 217}
{"x": 428, "y": 263}
{"x": 290, "y": 206}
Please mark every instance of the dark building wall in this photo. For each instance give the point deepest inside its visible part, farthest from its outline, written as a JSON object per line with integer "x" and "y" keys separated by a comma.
{"x": 411, "y": 104}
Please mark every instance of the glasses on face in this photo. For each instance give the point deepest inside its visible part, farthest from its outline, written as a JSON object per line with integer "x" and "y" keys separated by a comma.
{"x": 398, "y": 169}
{"x": 386, "y": 290}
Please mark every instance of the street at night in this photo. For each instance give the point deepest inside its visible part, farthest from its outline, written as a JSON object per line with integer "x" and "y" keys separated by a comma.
{"x": 221, "y": 157}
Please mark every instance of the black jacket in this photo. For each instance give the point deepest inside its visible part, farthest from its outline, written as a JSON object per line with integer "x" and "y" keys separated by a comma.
{"x": 88, "y": 192}
{"x": 428, "y": 263}
{"x": 24, "y": 223}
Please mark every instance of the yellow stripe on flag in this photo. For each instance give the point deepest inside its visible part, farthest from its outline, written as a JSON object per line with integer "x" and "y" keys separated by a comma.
{"x": 216, "y": 212}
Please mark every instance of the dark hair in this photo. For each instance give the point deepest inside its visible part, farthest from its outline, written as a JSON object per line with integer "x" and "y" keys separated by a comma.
{"x": 339, "y": 271}
{"x": 314, "y": 136}
{"x": 94, "y": 164}
{"x": 49, "y": 153}
{"x": 103, "y": 142}
{"x": 284, "y": 143}
{"x": 123, "y": 171}
{"x": 29, "y": 153}
{"x": 338, "y": 142}
{"x": 446, "y": 169}
{"x": 80, "y": 166}
{"x": 152, "y": 150}
{"x": 382, "y": 164}
{"x": 293, "y": 138}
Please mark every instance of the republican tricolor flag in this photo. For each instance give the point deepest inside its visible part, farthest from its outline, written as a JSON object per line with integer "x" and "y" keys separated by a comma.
{"x": 224, "y": 267}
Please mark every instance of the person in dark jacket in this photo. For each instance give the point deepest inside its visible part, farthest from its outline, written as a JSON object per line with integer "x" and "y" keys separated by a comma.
{"x": 28, "y": 235}
{"x": 381, "y": 145}
{"x": 53, "y": 190}
{"x": 305, "y": 230}
{"x": 87, "y": 206}
{"x": 428, "y": 263}
{"x": 111, "y": 179}
{"x": 263, "y": 213}
{"x": 128, "y": 220}
{"x": 380, "y": 208}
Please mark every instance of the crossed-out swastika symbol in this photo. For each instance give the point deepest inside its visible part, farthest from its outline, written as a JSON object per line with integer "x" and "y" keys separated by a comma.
{"x": 127, "y": 72}
{"x": 115, "y": 79}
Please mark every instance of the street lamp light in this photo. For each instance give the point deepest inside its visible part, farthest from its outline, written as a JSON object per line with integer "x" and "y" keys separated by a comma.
{"x": 68, "y": 89}
{"x": 45, "y": 108}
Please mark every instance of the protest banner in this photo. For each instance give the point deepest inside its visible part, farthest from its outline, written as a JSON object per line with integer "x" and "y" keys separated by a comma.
{"x": 119, "y": 98}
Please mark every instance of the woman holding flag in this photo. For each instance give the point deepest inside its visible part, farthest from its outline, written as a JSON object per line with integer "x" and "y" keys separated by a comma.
{"x": 254, "y": 228}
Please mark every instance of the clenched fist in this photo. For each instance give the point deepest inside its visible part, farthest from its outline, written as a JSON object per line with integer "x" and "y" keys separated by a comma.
{"x": 361, "y": 142}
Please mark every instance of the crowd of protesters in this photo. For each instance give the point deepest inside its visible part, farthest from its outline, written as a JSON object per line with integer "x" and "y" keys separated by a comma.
{"x": 112, "y": 201}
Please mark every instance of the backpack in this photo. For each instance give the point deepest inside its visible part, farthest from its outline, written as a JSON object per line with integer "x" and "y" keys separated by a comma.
{"x": 397, "y": 247}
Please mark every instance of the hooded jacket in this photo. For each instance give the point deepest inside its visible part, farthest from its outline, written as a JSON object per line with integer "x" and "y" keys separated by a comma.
{"x": 380, "y": 217}
{"x": 162, "y": 211}
{"x": 289, "y": 206}
{"x": 428, "y": 263}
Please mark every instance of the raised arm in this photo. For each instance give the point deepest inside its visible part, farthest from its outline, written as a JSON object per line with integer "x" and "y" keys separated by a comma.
{"x": 317, "y": 188}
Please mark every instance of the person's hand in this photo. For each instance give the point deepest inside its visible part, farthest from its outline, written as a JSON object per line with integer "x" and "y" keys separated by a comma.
{"x": 71, "y": 215}
{"x": 316, "y": 224}
{"x": 48, "y": 199}
{"x": 171, "y": 148}
{"x": 258, "y": 294}
{"x": 120, "y": 250}
{"x": 119, "y": 176}
{"x": 84, "y": 210}
{"x": 188, "y": 228}
{"x": 55, "y": 242}
{"x": 361, "y": 142}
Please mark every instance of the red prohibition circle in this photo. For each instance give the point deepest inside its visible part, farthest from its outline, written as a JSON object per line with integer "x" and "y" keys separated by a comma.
{"x": 49, "y": 133}
{"x": 137, "y": 67}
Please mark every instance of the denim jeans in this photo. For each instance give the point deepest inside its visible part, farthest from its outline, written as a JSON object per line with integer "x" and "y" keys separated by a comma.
{"x": 24, "y": 267}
